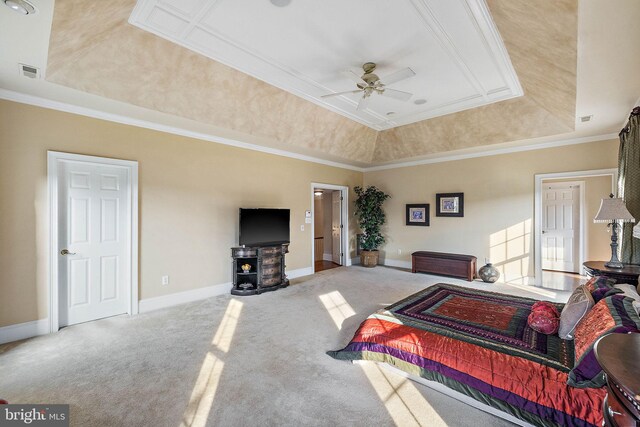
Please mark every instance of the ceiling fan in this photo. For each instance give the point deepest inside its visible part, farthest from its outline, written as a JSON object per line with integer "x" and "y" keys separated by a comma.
{"x": 369, "y": 83}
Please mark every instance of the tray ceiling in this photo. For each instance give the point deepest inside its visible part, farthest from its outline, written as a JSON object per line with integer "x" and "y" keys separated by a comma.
{"x": 453, "y": 46}
{"x": 94, "y": 50}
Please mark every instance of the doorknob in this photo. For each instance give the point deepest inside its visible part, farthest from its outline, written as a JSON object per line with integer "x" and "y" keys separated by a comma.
{"x": 66, "y": 252}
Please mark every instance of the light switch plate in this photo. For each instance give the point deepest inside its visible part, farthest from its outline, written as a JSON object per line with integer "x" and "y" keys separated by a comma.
{"x": 307, "y": 220}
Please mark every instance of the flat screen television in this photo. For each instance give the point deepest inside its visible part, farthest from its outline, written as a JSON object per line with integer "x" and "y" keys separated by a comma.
{"x": 264, "y": 226}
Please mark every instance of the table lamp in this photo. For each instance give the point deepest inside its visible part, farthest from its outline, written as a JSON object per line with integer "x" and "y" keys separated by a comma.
{"x": 611, "y": 211}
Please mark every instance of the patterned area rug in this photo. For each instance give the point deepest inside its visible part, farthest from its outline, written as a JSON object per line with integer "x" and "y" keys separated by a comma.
{"x": 489, "y": 319}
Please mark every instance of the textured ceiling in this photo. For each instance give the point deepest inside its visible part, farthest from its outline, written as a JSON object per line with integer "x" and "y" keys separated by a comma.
{"x": 93, "y": 49}
{"x": 541, "y": 39}
{"x": 453, "y": 47}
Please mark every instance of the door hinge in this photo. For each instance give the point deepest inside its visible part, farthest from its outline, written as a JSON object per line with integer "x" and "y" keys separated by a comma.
{"x": 341, "y": 226}
{"x": 341, "y": 198}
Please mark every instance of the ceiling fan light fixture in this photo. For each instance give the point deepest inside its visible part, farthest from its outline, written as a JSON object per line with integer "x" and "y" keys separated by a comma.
{"x": 280, "y": 3}
{"x": 23, "y": 7}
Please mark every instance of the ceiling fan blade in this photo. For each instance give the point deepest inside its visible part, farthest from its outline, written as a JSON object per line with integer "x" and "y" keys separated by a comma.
{"x": 341, "y": 93}
{"x": 364, "y": 102}
{"x": 396, "y": 94}
{"x": 353, "y": 76}
{"x": 397, "y": 76}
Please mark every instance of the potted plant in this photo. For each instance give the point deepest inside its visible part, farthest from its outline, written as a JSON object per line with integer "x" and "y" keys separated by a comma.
{"x": 370, "y": 218}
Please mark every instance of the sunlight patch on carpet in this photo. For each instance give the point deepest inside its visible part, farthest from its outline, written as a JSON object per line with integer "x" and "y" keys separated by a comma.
{"x": 535, "y": 290}
{"x": 206, "y": 385}
{"x": 227, "y": 327}
{"x": 203, "y": 393}
{"x": 338, "y": 308}
{"x": 401, "y": 398}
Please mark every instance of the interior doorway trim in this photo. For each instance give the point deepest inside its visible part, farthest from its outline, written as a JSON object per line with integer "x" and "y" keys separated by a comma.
{"x": 344, "y": 192}
{"x": 53, "y": 157}
{"x": 539, "y": 178}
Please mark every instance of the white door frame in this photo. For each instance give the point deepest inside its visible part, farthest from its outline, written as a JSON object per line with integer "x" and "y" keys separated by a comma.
{"x": 344, "y": 192}
{"x": 539, "y": 178}
{"x": 52, "y": 178}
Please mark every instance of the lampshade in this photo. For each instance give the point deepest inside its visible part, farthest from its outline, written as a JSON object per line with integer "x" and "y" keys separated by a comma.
{"x": 636, "y": 231}
{"x": 613, "y": 209}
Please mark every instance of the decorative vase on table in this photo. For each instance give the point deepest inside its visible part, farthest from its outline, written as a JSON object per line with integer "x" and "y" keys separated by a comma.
{"x": 489, "y": 273}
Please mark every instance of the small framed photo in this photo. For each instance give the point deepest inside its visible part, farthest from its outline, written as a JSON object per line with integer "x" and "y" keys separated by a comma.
{"x": 418, "y": 215}
{"x": 450, "y": 204}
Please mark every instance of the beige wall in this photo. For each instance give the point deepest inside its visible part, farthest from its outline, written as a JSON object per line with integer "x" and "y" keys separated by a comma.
{"x": 190, "y": 192}
{"x": 597, "y": 236}
{"x": 499, "y": 203}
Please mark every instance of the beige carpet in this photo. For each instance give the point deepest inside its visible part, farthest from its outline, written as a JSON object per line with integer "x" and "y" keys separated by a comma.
{"x": 238, "y": 361}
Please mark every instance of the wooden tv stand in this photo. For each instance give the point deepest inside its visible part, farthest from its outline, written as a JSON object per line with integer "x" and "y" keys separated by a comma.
{"x": 455, "y": 265}
{"x": 266, "y": 272}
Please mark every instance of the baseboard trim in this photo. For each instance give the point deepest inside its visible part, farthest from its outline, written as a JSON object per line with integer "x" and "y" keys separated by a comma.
{"x": 178, "y": 298}
{"x": 23, "y": 331}
{"x": 397, "y": 263}
{"x": 387, "y": 263}
{"x": 294, "y": 274}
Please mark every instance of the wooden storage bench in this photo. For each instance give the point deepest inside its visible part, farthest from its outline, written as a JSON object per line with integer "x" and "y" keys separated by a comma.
{"x": 455, "y": 265}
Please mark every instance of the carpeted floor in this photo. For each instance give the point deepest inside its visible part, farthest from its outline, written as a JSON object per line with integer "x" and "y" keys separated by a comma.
{"x": 238, "y": 361}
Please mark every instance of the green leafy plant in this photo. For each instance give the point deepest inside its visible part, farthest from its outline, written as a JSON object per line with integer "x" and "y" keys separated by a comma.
{"x": 370, "y": 215}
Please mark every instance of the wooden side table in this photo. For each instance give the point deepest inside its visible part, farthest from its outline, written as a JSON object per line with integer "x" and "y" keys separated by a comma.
{"x": 628, "y": 274}
{"x": 618, "y": 355}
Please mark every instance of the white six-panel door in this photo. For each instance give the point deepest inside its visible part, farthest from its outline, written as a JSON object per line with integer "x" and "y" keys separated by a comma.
{"x": 94, "y": 220}
{"x": 561, "y": 227}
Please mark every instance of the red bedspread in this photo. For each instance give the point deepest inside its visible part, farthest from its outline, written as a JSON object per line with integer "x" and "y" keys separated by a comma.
{"x": 478, "y": 343}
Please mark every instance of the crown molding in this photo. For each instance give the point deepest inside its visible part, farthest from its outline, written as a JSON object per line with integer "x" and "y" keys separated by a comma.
{"x": 37, "y": 101}
{"x": 23, "y": 98}
{"x": 495, "y": 152}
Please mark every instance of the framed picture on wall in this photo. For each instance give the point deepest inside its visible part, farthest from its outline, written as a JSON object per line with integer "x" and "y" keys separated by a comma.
{"x": 450, "y": 204}
{"x": 418, "y": 214}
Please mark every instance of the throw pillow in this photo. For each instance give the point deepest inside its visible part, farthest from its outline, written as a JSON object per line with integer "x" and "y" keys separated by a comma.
{"x": 574, "y": 310}
{"x": 614, "y": 314}
{"x": 544, "y": 318}
{"x": 630, "y": 291}
{"x": 601, "y": 287}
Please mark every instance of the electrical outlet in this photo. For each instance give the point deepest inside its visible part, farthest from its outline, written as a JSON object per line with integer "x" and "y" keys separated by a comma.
{"x": 302, "y": 227}
{"x": 399, "y": 251}
{"x": 165, "y": 280}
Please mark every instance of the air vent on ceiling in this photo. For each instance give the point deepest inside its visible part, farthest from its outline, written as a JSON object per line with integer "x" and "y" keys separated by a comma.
{"x": 29, "y": 71}
{"x": 584, "y": 119}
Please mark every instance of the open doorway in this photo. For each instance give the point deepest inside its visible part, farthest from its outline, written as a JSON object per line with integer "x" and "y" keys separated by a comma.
{"x": 565, "y": 234}
{"x": 329, "y": 242}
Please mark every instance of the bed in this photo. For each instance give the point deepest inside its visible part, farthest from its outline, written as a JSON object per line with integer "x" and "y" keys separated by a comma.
{"x": 478, "y": 344}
